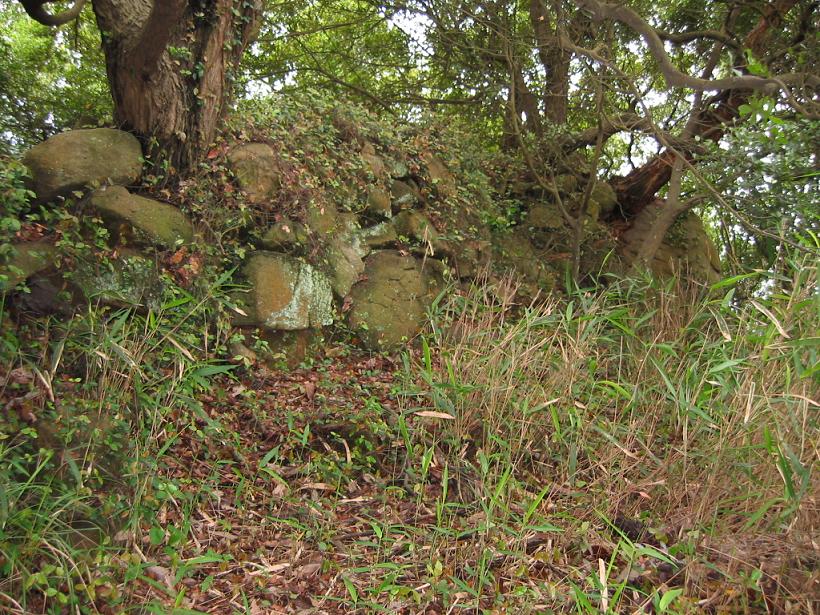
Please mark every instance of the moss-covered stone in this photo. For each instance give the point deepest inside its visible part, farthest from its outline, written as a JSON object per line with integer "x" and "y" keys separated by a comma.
{"x": 321, "y": 219}
{"x": 604, "y": 198}
{"x": 544, "y": 217}
{"x": 285, "y": 236}
{"x": 403, "y": 194}
{"x": 372, "y": 161}
{"x": 566, "y": 184}
{"x": 136, "y": 219}
{"x": 81, "y": 159}
{"x": 466, "y": 257}
{"x": 291, "y": 348}
{"x": 378, "y": 203}
{"x": 514, "y": 251}
{"x": 381, "y": 235}
{"x": 686, "y": 251}
{"x": 415, "y": 226}
{"x": 443, "y": 180}
{"x": 398, "y": 168}
{"x": 257, "y": 170}
{"x": 286, "y": 293}
{"x": 27, "y": 259}
{"x": 342, "y": 255}
{"x": 132, "y": 279}
{"x": 389, "y": 306}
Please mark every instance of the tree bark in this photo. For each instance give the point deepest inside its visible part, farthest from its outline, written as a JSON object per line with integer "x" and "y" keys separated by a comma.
{"x": 170, "y": 67}
{"x": 554, "y": 60}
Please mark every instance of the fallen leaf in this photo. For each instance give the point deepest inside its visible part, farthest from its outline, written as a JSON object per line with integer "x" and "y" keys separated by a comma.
{"x": 317, "y": 486}
{"x": 432, "y": 414}
{"x": 160, "y": 574}
{"x": 310, "y": 390}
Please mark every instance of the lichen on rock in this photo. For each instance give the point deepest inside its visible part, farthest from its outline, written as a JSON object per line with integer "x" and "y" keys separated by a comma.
{"x": 286, "y": 293}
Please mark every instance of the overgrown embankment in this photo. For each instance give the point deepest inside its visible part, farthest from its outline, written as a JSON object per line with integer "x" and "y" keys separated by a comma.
{"x": 634, "y": 447}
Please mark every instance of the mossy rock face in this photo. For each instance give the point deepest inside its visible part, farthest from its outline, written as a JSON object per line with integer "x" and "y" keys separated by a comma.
{"x": 514, "y": 251}
{"x": 398, "y": 169}
{"x": 277, "y": 348}
{"x": 342, "y": 254}
{"x": 403, "y": 194}
{"x": 257, "y": 170}
{"x": 130, "y": 280}
{"x": 378, "y": 204}
{"x": 603, "y": 199}
{"x": 440, "y": 175}
{"x": 686, "y": 251}
{"x": 292, "y": 348}
{"x": 544, "y": 217}
{"x": 372, "y": 161}
{"x": 566, "y": 184}
{"x": 80, "y": 159}
{"x": 285, "y": 236}
{"x": 286, "y": 293}
{"x": 468, "y": 258}
{"x": 322, "y": 219}
{"x": 29, "y": 258}
{"x": 139, "y": 220}
{"x": 381, "y": 235}
{"x": 415, "y": 226}
{"x": 389, "y": 306}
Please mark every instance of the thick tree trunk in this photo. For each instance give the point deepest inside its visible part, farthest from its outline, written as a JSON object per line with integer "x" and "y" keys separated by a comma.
{"x": 170, "y": 66}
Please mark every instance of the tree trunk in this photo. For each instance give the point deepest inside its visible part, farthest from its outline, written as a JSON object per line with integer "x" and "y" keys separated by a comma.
{"x": 554, "y": 59}
{"x": 170, "y": 67}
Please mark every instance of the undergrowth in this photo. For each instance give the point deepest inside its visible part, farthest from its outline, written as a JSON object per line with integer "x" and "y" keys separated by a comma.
{"x": 638, "y": 448}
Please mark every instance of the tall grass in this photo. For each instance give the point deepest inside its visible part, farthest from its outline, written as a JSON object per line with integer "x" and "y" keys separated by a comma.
{"x": 74, "y": 478}
{"x": 691, "y": 416}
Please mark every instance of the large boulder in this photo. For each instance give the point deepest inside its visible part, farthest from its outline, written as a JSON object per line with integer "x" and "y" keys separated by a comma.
{"x": 257, "y": 170}
{"x": 544, "y": 217}
{"x": 381, "y": 235}
{"x": 378, "y": 203}
{"x": 80, "y": 159}
{"x": 390, "y": 304}
{"x": 515, "y": 251}
{"x": 602, "y": 199}
{"x": 372, "y": 161}
{"x": 137, "y": 219}
{"x": 322, "y": 219}
{"x": 687, "y": 250}
{"x": 286, "y": 293}
{"x": 404, "y": 194}
{"x": 27, "y": 259}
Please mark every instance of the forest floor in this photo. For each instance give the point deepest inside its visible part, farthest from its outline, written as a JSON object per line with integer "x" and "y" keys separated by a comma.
{"x": 294, "y": 496}
{"x": 606, "y": 454}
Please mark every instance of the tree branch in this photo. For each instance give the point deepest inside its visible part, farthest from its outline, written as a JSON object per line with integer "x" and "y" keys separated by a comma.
{"x": 676, "y": 78}
{"x": 36, "y": 10}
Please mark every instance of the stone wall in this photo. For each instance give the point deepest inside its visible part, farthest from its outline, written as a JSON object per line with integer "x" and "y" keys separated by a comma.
{"x": 375, "y": 270}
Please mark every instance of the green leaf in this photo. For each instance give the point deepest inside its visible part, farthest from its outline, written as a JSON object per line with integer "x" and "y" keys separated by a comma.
{"x": 668, "y": 598}
{"x": 156, "y": 535}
